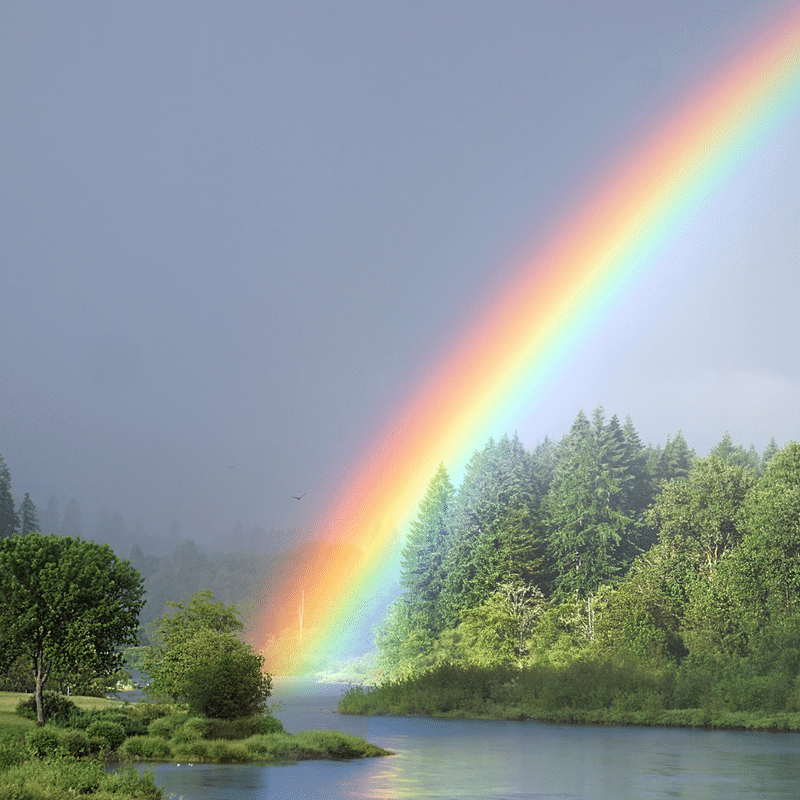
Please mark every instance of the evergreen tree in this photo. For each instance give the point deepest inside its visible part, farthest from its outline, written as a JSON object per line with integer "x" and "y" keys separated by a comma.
{"x": 8, "y": 517}
{"x": 736, "y": 454}
{"x": 421, "y": 567}
{"x": 674, "y": 461}
{"x": 594, "y": 505}
{"x": 495, "y": 530}
{"x": 769, "y": 453}
{"x": 27, "y": 516}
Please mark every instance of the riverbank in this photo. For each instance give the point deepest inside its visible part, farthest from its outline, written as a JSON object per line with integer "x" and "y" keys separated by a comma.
{"x": 70, "y": 754}
{"x": 581, "y": 695}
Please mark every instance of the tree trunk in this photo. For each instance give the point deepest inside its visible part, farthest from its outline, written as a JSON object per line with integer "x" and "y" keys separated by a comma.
{"x": 42, "y": 673}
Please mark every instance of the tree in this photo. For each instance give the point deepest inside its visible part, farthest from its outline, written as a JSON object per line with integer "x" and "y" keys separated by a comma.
{"x": 594, "y": 505}
{"x": 65, "y": 604}
{"x": 706, "y": 507}
{"x": 8, "y": 517}
{"x": 28, "y": 522}
{"x": 421, "y": 573}
{"x": 495, "y": 533}
{"x": 198, "y": 659}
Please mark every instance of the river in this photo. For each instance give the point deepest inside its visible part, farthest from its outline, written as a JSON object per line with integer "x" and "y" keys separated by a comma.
{"x": 440, "y": 759}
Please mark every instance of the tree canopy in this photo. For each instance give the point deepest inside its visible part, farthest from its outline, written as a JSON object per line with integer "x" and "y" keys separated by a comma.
{"x": 65, "y": 604}
{"x": 197, "y": 658}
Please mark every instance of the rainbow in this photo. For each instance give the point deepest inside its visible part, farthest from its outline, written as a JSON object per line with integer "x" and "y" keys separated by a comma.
{"x": 318, "y": 594}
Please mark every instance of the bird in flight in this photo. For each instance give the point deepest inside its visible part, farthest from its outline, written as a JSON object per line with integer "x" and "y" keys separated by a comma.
{"x": 299, "y": 498}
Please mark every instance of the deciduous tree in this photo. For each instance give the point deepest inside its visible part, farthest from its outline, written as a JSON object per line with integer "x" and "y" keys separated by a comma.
{"x": 65, "y": 604}
{"x": 199, "y": 659}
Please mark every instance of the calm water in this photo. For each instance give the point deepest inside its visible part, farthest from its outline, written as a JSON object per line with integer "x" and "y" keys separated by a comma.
{"x": 438, "y": 759}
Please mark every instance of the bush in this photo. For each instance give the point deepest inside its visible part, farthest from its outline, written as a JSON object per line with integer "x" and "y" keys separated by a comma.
{"x": 42, "y": 742}
{"x": 225, "y": 752}
{"x": 145, "y": 712}
{"x": 74, "y": 743}
{"x": 131, "y": 725}
{"x": 111, "y": 732}
{"x": 146, "y": 748}
{"x": 57, "y": 708}
{"x": 165, "y": 727}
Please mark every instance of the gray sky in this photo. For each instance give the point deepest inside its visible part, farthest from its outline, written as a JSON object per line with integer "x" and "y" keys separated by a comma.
{"x": 235, "y": 235}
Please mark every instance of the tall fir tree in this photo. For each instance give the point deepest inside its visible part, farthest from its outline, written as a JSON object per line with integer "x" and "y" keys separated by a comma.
{"x": 494, "y": 532}
{"x": 594, "y": 507}
{"x": 28, "y": 521}
{"x": 8, "y": 516}
{"x": 423, "y": 554}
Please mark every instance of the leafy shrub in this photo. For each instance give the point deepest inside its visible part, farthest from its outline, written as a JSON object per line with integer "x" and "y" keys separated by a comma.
{"x": 195, "y": 750}
{"x": 74, "y": 743}
{"x": 145, "y": 712}
{"x": 111, "y": 732}
{"x": 130, "y": 724}
{"x": 42, "y": 742}
{"x": 267, "y": 724}
{"x": 194, "y": 728}
{"x": 146, "y": 748}
{"x": 57, "y": 708}
{"x": 165, "y": 727}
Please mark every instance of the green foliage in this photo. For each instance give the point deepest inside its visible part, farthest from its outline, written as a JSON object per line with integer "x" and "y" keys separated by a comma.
{"x": 63, "y": 778}
{"x": 111, "y": 732}
{"x": 28, "y": 521}
{"x": 57, "y": 708}
{"x": 8, "y": 516}
{"x": 706, "y": 507}
{"x": 198, "y": 659}
{"x": 165, "y": 727}
{"x": 146, "y": 748}
{"x": 42, "y": 742}
{"x": 65, "y": 604}
{"x": 230, "y": 686}
{"x": 74, "y": 743}
{"x": 599, "y": 490}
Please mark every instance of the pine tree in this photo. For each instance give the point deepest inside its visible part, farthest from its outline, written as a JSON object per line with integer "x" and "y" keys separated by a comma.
{"x": 421, "y": 567}
{"x": 27, "y": 516}
{"x": 769, "y": 454}
{"x": 594, "y": 507}
{"x": 8, "y": 517}
{"x": 495, "y": 530}
{"x": 674, "y": 461}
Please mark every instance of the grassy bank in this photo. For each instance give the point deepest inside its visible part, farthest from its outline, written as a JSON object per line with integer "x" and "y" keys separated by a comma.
{"x": 69, "y": 755}
{"x": 595, "y": 693}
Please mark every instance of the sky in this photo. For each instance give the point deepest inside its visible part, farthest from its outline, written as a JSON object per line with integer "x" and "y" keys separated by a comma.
{"x": 236, "y": 236}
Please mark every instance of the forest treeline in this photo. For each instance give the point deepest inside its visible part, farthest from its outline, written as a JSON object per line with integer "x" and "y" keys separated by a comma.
{"x": 591, "y": 560}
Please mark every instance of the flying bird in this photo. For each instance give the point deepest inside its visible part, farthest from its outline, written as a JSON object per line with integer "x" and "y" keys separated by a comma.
{"x": 301, "y": 496}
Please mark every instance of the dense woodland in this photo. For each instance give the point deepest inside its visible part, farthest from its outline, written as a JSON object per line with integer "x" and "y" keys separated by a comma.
{"x": 597, "y": 554}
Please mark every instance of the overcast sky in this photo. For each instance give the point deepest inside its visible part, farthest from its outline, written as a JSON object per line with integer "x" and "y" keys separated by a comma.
{"x": 235, "y": 235}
